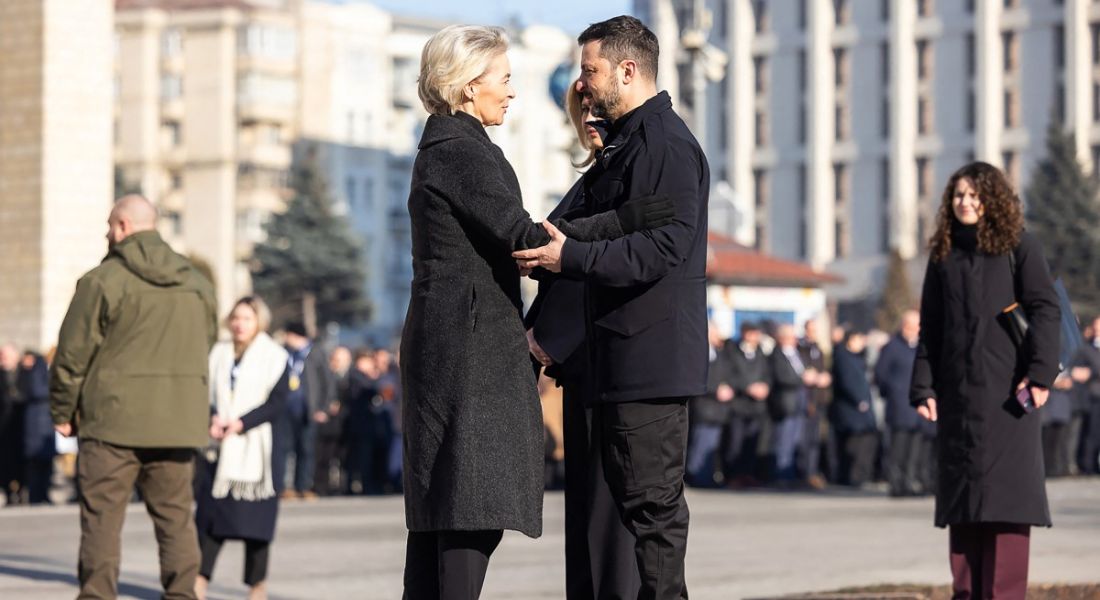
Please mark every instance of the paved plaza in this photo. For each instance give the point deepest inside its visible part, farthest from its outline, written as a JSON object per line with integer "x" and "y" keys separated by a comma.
{"x": 741, "y": 545}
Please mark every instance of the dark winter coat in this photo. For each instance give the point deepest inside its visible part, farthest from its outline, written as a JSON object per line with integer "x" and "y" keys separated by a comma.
{"x": 788, "y": 395}
{"x": 473, "y": 444}
{"x": 38, "y": 432}
{"x": 989, "y": 451}
{"x": 851, "y": 410}
{"x": 746, "y": 371}
{"x": 239, "y": 519}
{"x": 814, "y": 358}
{"x": 645, "y": 292}
{"x": 893, "y": 373}
{"x": 707, "y": 409}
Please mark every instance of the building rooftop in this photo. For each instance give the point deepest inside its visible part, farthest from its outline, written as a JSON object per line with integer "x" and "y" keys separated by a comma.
{"x": 731, "y": 263}
{"x": 123, "y": 5}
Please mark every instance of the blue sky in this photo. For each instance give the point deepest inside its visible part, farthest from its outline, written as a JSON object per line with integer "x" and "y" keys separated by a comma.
{"x": 571, "y": 15}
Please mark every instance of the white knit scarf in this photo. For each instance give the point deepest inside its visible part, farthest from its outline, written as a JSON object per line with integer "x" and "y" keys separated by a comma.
{"x": 244, "y": 461}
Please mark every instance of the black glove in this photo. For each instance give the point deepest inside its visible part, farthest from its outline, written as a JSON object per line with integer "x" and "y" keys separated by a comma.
{"x": 646, "y": 212}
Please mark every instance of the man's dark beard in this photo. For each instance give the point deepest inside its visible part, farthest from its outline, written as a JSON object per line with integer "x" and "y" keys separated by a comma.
{"x": 608, "y": 106}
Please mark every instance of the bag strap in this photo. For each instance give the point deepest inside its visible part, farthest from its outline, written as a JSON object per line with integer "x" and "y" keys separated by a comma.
{"x": 1015, "y": 281}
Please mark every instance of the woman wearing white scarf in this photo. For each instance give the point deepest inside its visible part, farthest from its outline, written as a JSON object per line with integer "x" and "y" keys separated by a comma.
{"x": 236, "y": 497}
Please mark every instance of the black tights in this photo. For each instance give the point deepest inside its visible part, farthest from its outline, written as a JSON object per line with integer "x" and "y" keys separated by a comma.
{"x": 256, "y": 554}
{"x": 448, "y": 565}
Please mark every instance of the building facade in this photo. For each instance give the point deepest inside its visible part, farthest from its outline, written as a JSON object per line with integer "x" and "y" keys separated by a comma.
{"x": 55, "y": 159}
{"x": 839, "y": 121}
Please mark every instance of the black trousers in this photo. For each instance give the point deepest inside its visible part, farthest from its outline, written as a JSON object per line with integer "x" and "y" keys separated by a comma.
{"x": 644, "y": 446}
{"x": 448, "y": 565}
{"x": 905, "y": 463}
{"x": 857, "y": 457}
{"x": 330, "y": 454}
{"x": 1055, "y": 455}
{"x": 741, "y": 456}
{"x": 599, "y": 549}
{"x": 256, "y": 556}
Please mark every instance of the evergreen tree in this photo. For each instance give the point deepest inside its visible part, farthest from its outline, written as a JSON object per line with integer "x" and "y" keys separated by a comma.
{"x": 897, "y": 295}
{"x": 1064, "y": 214}
{"x": 310, "y": 266}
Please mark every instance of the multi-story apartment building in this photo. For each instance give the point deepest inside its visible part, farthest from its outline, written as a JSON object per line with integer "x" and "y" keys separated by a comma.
{"x": 839, "y": 121}
{"x": 55, "y": 159}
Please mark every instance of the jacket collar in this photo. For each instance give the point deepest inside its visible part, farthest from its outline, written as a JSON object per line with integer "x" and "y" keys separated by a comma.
{"x": 440, "y": 128}
{"x": 626, "y": 125}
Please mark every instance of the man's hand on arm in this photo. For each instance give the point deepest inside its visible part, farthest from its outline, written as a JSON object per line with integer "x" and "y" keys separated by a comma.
{"x": 547, "y": 257}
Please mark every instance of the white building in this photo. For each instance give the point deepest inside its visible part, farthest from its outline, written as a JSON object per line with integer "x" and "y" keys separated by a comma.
{"x": 839, "y": 121}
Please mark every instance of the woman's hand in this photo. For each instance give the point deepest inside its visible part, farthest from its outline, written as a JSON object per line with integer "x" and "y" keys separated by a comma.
{"x": 234, "y": 428}
{"x": 928, "y": 410}
{"x": 217, "y": 427}
{"x": 1039, "y": 394}
{"x": 537, "y": 351}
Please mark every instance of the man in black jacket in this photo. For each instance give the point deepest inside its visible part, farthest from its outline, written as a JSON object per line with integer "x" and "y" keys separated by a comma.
{"x": 908, "y": 441}
{"x": 788, "y": 401}
{"x": 644, "y": 293}
{"x": 751, "y": 377}
{"x": 709, "y": 416}
{"x": 312, "y": 390}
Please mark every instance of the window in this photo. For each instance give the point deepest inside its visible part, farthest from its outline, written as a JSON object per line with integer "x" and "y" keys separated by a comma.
{"x": 349, "y": 190}
{"x": 1010, "y": 166}
{"x": 174, "y": 220}
{"x": 884, "y": 10}
{"x": 840, "y": 67}
{"x": 802, "y": 65}
{"x": 1095, "y": 161}
{"x": 760, "y": 188}
{"x": 1060, "y": 46}
{"x": 802, "y": 122}
{"x": 759, "y": 66}
{"x": 761, "y": 129}
{"x": 1011, "y": 107}
{"x": 1096, "y": 102}
{"x": 884, "y": 61}
{"x": 268, "y": 89}
{"x": 924, "y": 60}
{"x": 172, "y": 133}
{"x": 843, "y": 242}
{"x": 1010, "y": 50}
{"x": 802, "y": 15}
{"x": 267, "y": 41}
{"x": 176, "y": 179}
{"x": 884, "y": 125}
{"x": 924, "y": 8}
{"x": 971, "y": 110}
{"x": 841, "y": 12}
{"x": 923, "y": 116}
{"x": 1010, "y": 4}
{"x": 171, "y": 87}
{"x": 1060, "y": 102}
{"x": 923, "y": 177}
{"x": 760, "y": 15}
{"x": 1095, "y": 30}
{"x": 884, "y": 203}
{"x": 969, "y": 7}
{"x": 803, "y": 230}
{"x": 171, "y": 43}
{"x": 841, "y": 116}
{"x": 840, "y": 183}
{"x": 971, "y": 55}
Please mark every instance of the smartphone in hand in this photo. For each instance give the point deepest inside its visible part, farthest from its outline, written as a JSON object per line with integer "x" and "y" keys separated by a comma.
{"x": 1023, "y": 396}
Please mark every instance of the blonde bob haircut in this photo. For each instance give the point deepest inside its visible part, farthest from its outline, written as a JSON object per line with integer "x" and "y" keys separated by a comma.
{"x": 575, "y": 111}
{"x": 258, "y": 306}
{"x": 452, "y": 58}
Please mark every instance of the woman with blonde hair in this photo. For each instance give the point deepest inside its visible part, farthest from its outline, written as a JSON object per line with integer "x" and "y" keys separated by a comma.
{"x": 981, "y": 376}
{"x": 235, "y": 491}
{"x": 473, "y": 445}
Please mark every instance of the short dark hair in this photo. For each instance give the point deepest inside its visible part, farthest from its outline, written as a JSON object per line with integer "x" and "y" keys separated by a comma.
{"x": 750, "y": 327}
{"x": 297, "y": 328}
{"x": 625, "y": 38}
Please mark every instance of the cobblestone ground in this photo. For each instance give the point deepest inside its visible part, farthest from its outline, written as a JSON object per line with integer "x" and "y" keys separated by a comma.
{"x": 741, "y": 545}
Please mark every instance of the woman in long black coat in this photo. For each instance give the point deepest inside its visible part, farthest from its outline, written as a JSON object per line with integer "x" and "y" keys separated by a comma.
{"x": 968, "y": 374}
{"x": 473, "y": 445}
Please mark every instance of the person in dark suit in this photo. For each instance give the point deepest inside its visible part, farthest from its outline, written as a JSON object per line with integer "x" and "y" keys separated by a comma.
{"x": 893, "y": 372}
{"x": 788, "y": 402}
{"x": 599, "y": 561}
{"x": 981, "y": 384}
{"x": 468, "y": 388}
{"x": 645, "y": 294}
{"x": 820, "y": 394}
{"x": 710, "y": 415}
{"x": 311, "y": 390}
{"x": 751, "y": 381}
{"x": 852, "y": 413}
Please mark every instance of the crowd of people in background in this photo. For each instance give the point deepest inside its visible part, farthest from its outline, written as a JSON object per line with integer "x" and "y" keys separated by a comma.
{"x": 781, "y": 411}
{"x": 338, "y": 431}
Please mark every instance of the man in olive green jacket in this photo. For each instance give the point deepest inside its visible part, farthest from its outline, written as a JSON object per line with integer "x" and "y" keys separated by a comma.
{"x": 130, "y": 379}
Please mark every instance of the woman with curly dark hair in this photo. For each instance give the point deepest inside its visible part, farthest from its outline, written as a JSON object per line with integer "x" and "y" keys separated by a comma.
{"x": 983, "y": 386}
